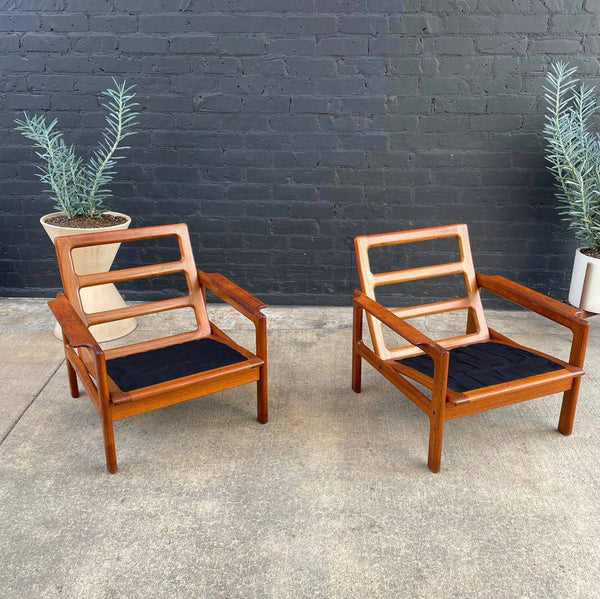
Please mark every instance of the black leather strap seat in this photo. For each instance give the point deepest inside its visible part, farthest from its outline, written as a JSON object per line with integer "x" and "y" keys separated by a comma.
{"x": 484, "y": 364}
{"x": 168, "y": 363}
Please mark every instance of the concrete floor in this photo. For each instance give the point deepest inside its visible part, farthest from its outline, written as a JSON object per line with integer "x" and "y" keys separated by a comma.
{"x": 331, "y": 499}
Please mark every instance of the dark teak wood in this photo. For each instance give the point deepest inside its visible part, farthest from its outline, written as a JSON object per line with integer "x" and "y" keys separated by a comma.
{"x": 445, "y": 403}
{"x": 86, "y": 360}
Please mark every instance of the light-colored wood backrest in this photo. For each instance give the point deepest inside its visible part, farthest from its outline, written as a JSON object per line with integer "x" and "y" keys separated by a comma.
{"x": 73, "y": 282}
{"x": 476, "y": 327}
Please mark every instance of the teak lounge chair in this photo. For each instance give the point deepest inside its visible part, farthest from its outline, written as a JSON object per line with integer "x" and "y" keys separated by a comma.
{"x": 472, "y": 372}
{"x": 144, "y": 376}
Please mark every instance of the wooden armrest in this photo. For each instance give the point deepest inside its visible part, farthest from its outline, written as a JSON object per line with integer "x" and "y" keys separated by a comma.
{"x": 77, "y": 334}
{"x": 405, "y": 330}
{"x": 233, "y": 294}
{"x": 552, "y": 309}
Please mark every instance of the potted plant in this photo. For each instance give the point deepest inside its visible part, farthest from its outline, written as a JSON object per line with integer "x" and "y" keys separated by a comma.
{"x": 80, "y": 189}
{"x": 573, "y": 152}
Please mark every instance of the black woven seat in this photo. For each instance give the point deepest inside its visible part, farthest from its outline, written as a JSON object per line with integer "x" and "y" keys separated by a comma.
{"x": 484, "y": 364}
{"x": 168, "y": 363}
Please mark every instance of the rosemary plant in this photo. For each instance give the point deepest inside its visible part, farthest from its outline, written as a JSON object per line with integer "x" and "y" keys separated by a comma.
{"x": 574, "y": 152}
{"x": 78, "y": 187}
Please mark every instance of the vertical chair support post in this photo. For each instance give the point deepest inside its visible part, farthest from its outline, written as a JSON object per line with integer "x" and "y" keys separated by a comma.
{"x": 73, "y": 386}
{"x": 357, "y": 324}
{"x": 261, "y": 385}
{"x": 576, "y": 358}
{"x": 438, "y": 408}
{"x": 106, "y": 415}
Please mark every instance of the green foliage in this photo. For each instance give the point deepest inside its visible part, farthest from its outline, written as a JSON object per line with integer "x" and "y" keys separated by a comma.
{"x": 81, "y": 188}
{"x": 573, "y": 152}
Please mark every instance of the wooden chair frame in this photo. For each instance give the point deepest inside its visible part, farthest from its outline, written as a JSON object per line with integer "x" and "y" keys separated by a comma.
{"x": 87, "y": 360}
{"x": 446, "y": 404}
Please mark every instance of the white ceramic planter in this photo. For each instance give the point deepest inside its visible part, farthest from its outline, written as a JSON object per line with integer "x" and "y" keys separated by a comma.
{"x": 585, "y": 283}
{"x": 89, "y": 260}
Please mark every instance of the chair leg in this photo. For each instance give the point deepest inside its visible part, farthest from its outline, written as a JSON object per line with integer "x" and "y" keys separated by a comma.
{"x": 437, "y": 415}
{"x": 262, "y": 400}
{"x": 567, "y": 411}
{"x": 357, "y": 317}
{"x": 356, "y": 372}
{"x": 73, "y": 386}
{"x": 109, "y": 444}
{"x": 436, "y": 434}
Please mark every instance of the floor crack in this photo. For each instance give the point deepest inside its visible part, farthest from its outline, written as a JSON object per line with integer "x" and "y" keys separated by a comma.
{"x": 14, "y": 424}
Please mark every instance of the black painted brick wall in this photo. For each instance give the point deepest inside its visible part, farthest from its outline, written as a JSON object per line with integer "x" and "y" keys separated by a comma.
{"x": 280, "y": 129}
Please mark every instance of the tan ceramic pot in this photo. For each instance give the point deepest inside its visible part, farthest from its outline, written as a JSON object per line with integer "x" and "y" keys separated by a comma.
{"x": 89, "y": 260}
{"x": 585, "y": 283}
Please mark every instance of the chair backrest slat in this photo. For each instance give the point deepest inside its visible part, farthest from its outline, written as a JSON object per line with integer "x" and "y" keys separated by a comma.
{"x": 73, "y": 282}
{"x": 413, "y": 274}
{"x": 461, "y": 303}
{"x": 131, "y": 274}
{"x": 477, "y": 330}
{"x": 143, "y": 309}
